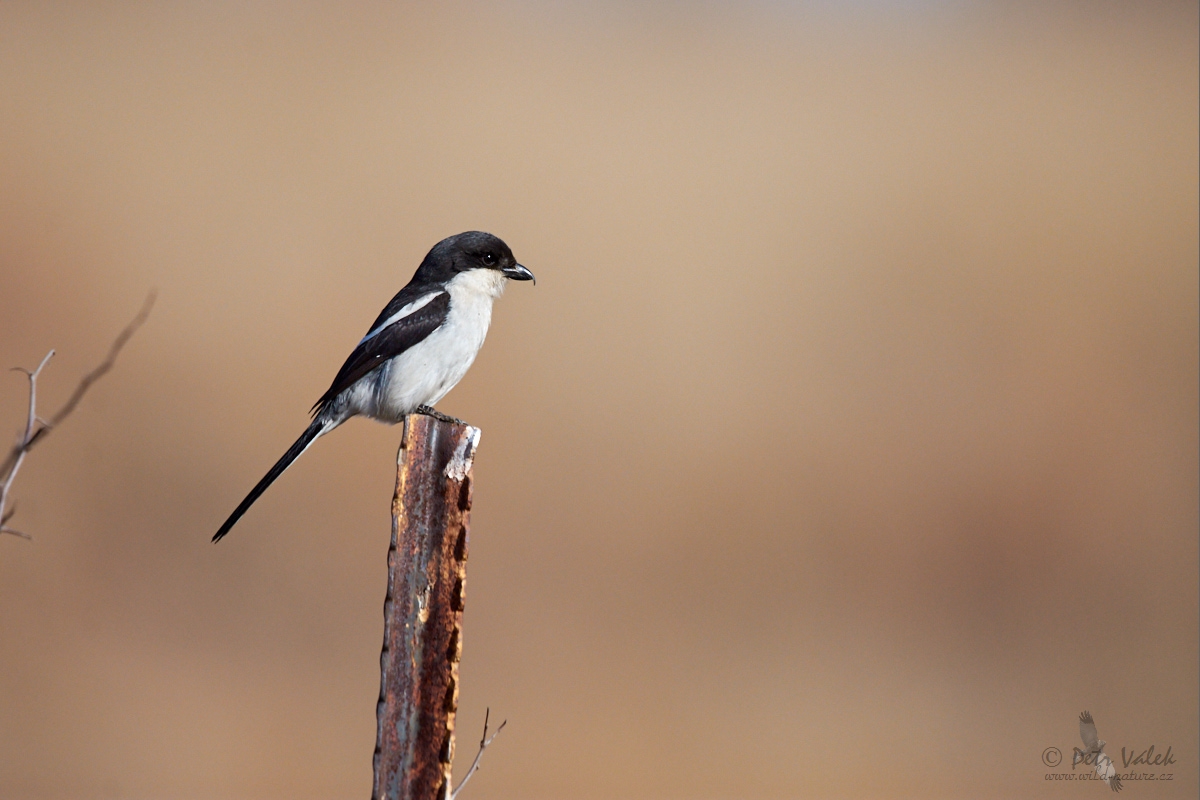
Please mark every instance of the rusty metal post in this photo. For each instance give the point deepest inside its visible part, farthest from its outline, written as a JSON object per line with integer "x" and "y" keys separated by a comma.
{"x": 422, "y": 616}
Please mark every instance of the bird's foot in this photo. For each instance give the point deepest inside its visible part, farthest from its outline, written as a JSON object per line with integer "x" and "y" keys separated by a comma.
{"x": 430, "y": 411}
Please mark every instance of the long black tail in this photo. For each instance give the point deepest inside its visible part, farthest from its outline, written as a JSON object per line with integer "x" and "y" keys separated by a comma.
{"x": 318, "y": 427}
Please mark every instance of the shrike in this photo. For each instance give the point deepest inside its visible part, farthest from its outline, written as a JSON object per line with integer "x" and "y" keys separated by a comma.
{"x": 419, "y": 347}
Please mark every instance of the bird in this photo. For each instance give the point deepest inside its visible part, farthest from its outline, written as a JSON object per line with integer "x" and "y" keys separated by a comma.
{"x": 418, "y": 348}
{"x": 1094, "y": 754}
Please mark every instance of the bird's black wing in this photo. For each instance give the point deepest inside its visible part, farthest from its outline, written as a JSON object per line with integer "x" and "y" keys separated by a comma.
{"x": 386, "y": 340}
{"x": 414, "y": 291}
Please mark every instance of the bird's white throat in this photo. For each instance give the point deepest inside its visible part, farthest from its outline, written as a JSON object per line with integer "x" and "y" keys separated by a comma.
{"x": 490, "y": 282}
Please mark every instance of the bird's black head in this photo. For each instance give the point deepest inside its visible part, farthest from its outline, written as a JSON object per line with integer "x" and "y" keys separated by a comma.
{"x": 469, "y": 251}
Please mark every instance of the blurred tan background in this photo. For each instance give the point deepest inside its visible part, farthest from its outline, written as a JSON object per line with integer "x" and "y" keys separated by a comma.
{"x": 846, "y": 447}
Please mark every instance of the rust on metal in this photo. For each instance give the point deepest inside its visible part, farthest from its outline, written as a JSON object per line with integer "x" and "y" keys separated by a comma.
{"x": 422, "y": 626}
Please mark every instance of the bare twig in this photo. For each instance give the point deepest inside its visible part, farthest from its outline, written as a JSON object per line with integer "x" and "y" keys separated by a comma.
{"x": 36, "y": 427}
{"x": 484, "y": 741}
{"x": 22, "y": 447}
{"x": 99, "y": 372}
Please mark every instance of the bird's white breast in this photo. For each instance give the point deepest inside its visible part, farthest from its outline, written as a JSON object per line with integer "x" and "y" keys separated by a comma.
{"x": 424, "y": 373}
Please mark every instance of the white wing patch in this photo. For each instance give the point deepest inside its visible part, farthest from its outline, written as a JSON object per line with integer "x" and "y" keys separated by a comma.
{"x": 415, "y": 305}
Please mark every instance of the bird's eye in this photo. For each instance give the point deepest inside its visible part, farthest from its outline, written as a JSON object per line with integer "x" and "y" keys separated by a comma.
{"x": 489, "y": 258}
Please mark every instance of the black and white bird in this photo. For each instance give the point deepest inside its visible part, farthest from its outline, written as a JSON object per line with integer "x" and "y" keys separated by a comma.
{"x": 420, "y": 346}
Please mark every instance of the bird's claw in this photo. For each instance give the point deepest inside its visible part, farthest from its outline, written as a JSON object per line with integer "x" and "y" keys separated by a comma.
{"x": 430, "y": 411}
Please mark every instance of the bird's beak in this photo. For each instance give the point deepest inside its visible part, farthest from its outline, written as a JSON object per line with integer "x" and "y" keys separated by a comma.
{"x": 518, "y": 273}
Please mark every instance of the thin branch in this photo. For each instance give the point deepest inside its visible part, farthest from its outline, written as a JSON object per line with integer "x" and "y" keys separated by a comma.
{"x": 23, "y": 446}
{"x": 33, "y": 376}
{"x": 99, "y": 372}
{"x": 14, "y": 532}
{"x": 484, "y": 741}
{"x": 36, "y": 427}
{"x": 32, "y": 437}
{"x": 5, "y": 518}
